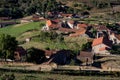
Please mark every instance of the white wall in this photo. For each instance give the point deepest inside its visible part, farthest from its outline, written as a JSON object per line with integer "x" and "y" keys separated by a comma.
{"x": 113, "y": 38}
{"x": 70, "y": 25}
{"x": 97, "y": 47}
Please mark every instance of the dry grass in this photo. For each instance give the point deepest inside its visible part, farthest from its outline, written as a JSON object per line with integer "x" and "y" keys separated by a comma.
{"x": 38, "y": 45}
{"x": 48, "y": 76}
{"x": 110, "y": 61}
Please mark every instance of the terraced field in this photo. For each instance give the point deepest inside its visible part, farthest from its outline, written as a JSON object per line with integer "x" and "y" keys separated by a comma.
{"x": 48, "y": 76}
{"x": 17, "y": 30}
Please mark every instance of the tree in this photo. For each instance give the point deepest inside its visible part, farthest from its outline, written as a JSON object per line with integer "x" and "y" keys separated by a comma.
{"x": 35, "y": 55}
{"x": 86, "y": 46}
{"x": 94, "y": 32}
{"x": 8, "y": 77}
{"x": 115, "y": 49}
{"x": 8, "y": 45}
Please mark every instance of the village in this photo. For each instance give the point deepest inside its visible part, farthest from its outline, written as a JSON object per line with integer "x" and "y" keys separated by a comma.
{"x": 61, "y": 41}
{"x": 100, "y": 42}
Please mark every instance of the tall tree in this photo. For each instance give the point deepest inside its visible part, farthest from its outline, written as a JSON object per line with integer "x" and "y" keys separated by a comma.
{"x": 8, "y": 45}
{"x": 35, "y": 55}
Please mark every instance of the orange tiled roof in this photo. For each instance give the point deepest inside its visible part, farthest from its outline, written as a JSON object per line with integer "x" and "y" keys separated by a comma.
{"x": 67, "y": 30}
{"x": 97, "y": 41}
{"x": 78, "y": 33}
{"x": 81, "y": 25}
{"x": 48, "y": 22}
{"x": 100, "y": 27}
{"x": 66, "y": 15}
{"x": 53, "y": 23}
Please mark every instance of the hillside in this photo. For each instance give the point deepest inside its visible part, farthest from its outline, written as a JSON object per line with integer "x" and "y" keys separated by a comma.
{"x": 20, "y": 8}
{"x": 17, "y": 30}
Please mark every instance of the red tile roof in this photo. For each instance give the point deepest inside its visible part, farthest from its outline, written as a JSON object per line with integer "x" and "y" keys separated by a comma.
{"x": 102, "y": 40}
{"x": 78, "y": 33}
{"x": 100, "y": 27}
{"x": 53, "y": 23}
{"x": 81, "y": 25}
{"x": 66, "y": 15}
{"x": 48, "y": 22}
{"x": 97, "y": 41}
{"x": 67, "y": 30}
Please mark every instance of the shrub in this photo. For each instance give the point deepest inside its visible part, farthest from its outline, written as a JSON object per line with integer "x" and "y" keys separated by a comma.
{"x": 8, "y": 77}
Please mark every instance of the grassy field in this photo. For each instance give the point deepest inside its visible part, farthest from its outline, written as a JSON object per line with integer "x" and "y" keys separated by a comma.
{"x": 48, "y": 76}
{"x": 32, "y": 29}
{"x": 17, "y": 30}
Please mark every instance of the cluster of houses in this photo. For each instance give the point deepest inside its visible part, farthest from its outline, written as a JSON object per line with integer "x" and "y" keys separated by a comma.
{"x": 101, "y": 43}
{"x": 56, "y": 15}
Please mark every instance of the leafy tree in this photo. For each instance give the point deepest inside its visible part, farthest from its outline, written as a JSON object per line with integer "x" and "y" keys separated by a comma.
{"x": 51, "y": 36}
{"x": 94, "y": 32}
{"x": 44, "y": 36}
{"x": 75, "y": 4}
{"x": 60, "y": 38}
{"x": 70, "y": 10}
{"x": 114, "y": 27}
{"x": 86, "y": 46}
{"x": 8, "y": 45}
{"x": 115, "y": 49}
{"x": 8, "y": 77}
{"x": 35, "y": 55}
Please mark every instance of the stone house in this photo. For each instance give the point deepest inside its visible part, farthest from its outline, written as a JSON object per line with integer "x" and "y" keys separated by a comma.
{"x": 85, "y": 57}
{"x": 101, "y": 45}
{"x": 115, "y": 38}
{"x": 80, "y": 33}
{"x": 51, "y": 24}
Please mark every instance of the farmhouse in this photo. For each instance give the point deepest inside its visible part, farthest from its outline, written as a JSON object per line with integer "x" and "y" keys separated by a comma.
{"x": 85, "y": 57}
{"x": 51, "y": 24}
{"x": 101, "y": 45}
{"x": 80, "y": 33}
{"x": 115, "y": 38}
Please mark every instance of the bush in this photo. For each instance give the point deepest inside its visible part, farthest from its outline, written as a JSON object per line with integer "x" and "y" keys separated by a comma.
{"x": 51, "y": 36}
{"x": 8, "y": 77}
{"x": 35, "y": 55}
{"x": 75, "y": 5}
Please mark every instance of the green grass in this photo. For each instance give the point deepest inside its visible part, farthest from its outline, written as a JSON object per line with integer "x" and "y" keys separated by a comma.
{"x": 40, "y": 45}
{"x": 70, "y": 43}
{"x": 18, "y": 30}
